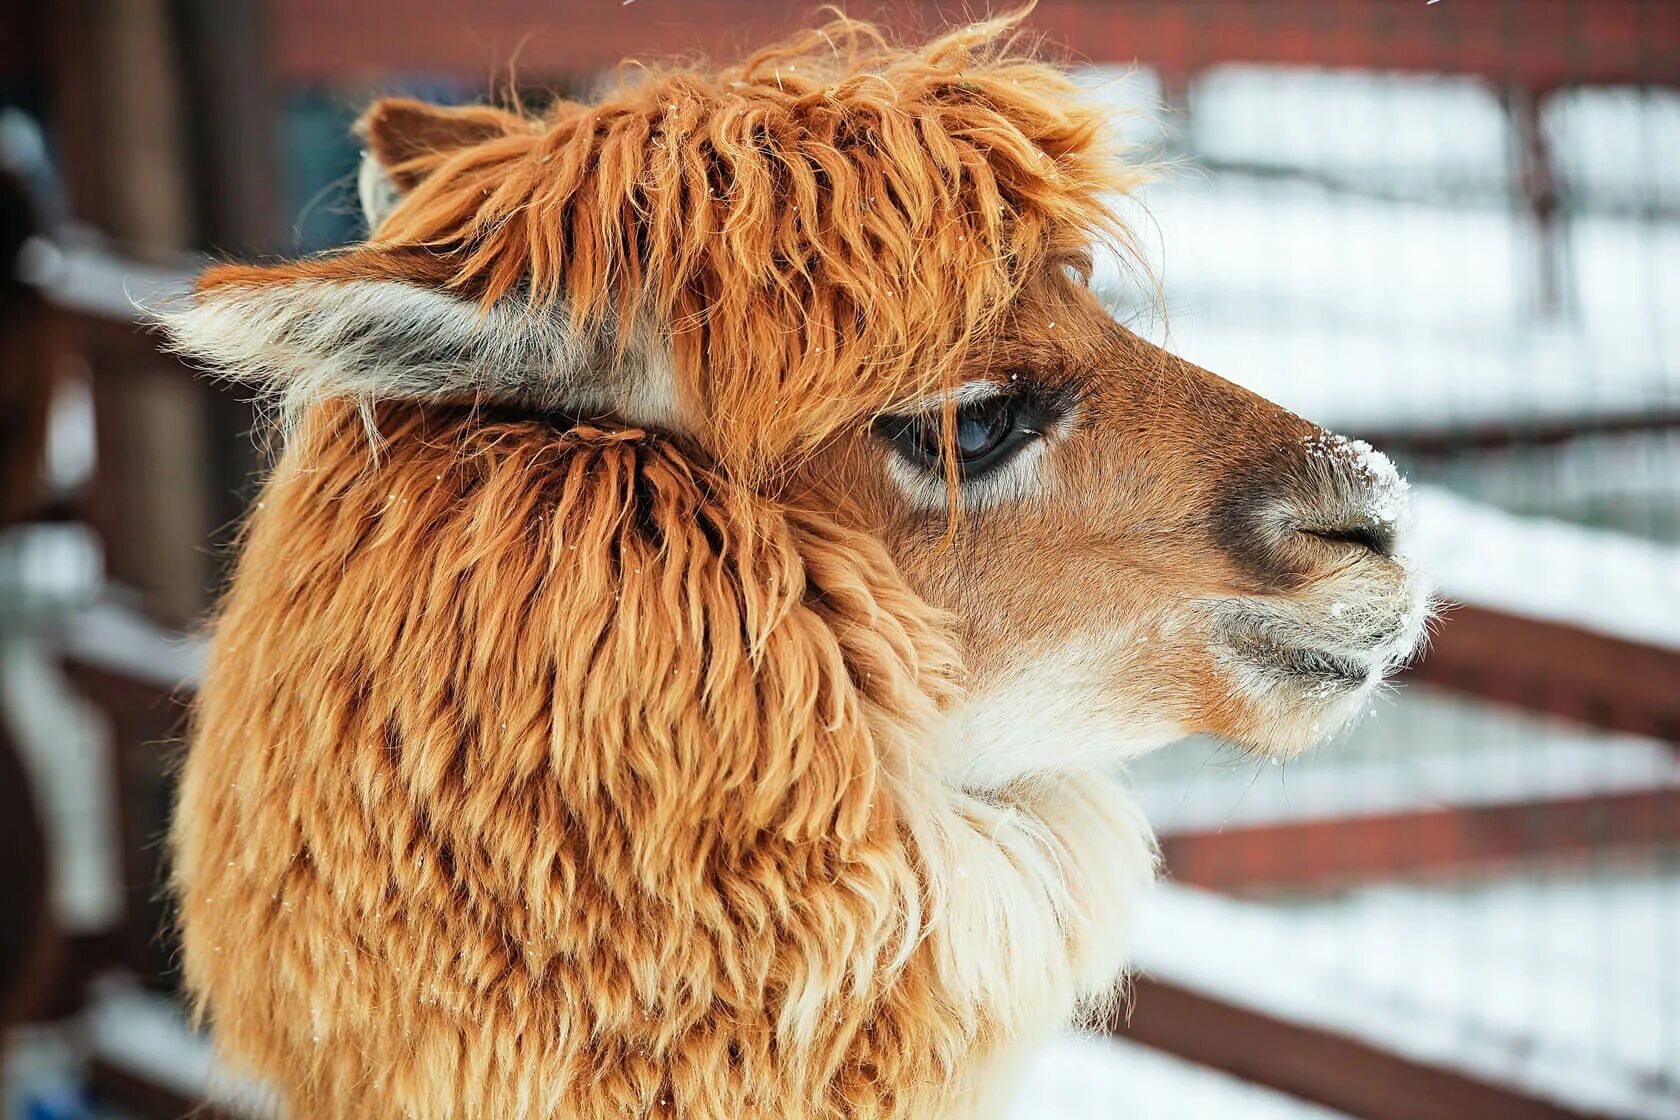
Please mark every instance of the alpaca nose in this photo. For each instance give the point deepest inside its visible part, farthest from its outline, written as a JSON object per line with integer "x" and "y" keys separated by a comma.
{"x": 1285, "y": 516}
{"x": 1354, "y": 498}
{"x": 1356, "y": 532}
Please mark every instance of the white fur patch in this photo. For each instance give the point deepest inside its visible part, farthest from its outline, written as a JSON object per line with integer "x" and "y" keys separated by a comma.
{"x": 378, "y": 194}
{"x": 1035, "y": 857}
{"x": 374, "y": 340}
{"x": 969, "y": 392}
{"x": 1034, "y": 890}
{"x": 1058, "y": 713}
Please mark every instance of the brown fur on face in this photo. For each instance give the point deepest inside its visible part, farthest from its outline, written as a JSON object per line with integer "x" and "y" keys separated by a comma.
{"x": 604, "y": 719}
{"x": 1124, "y": 542}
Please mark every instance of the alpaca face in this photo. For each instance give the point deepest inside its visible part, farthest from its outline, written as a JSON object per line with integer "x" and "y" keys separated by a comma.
{"x": 1144, "y": 549}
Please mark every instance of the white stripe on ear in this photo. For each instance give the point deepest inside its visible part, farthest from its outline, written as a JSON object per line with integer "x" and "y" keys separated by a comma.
{"x": 378, "y": 193}
{"x": 307, "y": 340}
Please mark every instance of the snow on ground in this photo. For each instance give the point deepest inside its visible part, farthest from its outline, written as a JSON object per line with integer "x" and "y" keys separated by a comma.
{"x": 1418, "y": 748}
{"x": 1609, "y": 582}
{"x": 1558, "y": 978}
{"x": 1082, "y": 1078}
{"x": 1562, "y": 984}
{"x": 1512, "y": 772}
{"x": 1628, "y": 482}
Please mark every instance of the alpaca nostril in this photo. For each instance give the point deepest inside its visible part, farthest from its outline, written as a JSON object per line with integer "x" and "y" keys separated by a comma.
{"x": 1287, "y": 518}
{"x": 1377, "y": 537}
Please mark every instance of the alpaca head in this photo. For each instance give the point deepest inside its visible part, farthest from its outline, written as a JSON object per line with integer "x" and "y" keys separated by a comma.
{"x": 852, "y": 280}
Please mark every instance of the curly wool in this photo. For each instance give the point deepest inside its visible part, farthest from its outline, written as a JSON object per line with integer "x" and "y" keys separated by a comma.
{"x": 547, "y": 776}
{"x": 553, "y": 770}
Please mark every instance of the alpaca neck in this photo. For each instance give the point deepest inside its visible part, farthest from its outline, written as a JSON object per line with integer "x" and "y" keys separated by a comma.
{"x": 1033, "y": 888}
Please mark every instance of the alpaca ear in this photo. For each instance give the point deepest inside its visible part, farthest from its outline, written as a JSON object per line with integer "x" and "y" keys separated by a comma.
{"x": 377, "y": 322}
{"x": 368, "y": 326}
{"x": 400, "y": 130}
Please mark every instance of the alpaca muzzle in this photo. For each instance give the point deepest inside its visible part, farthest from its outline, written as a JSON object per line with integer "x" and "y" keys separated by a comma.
{"x": 1343, "y": 606}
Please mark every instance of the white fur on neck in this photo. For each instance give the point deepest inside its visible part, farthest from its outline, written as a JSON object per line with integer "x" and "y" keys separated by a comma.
{"x": 1039, "y": 886}
{"x": 372, "y": 340}
{"x": 1055, "y": 714}
{"x": 1031, "y": 899}
{"x": 1030, "y": 886}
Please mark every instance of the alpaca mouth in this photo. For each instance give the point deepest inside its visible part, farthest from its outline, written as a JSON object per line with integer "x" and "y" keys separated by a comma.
{"x": 1325, "y": 672}
{"x": 1319, "y": 653}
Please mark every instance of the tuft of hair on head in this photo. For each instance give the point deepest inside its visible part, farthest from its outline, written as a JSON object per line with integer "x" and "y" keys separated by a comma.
{"x": 760, "y": 254}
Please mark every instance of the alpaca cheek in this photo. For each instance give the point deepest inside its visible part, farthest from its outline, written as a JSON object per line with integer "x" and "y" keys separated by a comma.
{"x": 1065, "y": 709}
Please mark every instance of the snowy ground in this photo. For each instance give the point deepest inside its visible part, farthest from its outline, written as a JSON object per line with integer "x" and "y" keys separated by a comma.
{"x": 1542, "y": 568}
{"x": 1559, "y": 979}
{"x": 1561, "y": 984}
{"x": 1627, "y": 482}
{"x": 1416, "y": 749}
{"x": 1081, "y": 1078}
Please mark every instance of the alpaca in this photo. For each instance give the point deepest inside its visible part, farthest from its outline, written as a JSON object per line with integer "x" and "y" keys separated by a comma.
{"x": 720, "y": 553}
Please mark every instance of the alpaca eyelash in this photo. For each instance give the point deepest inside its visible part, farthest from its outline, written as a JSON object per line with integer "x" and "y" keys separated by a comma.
{"x": 1041, "y": 408}
{"x": 1013, "y": 481}
{"x": 1010, "y": 475}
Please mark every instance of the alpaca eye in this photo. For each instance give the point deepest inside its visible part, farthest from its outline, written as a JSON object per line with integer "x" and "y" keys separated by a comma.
{"x": 978, "y": 436}
{"x": 988, "y": 433}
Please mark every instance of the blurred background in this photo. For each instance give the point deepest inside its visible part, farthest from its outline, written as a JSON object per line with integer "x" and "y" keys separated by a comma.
{"x": 1450, "y": 227}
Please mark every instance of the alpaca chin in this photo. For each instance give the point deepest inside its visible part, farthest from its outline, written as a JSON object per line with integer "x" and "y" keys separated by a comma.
{"x": 1055, "y": 712}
